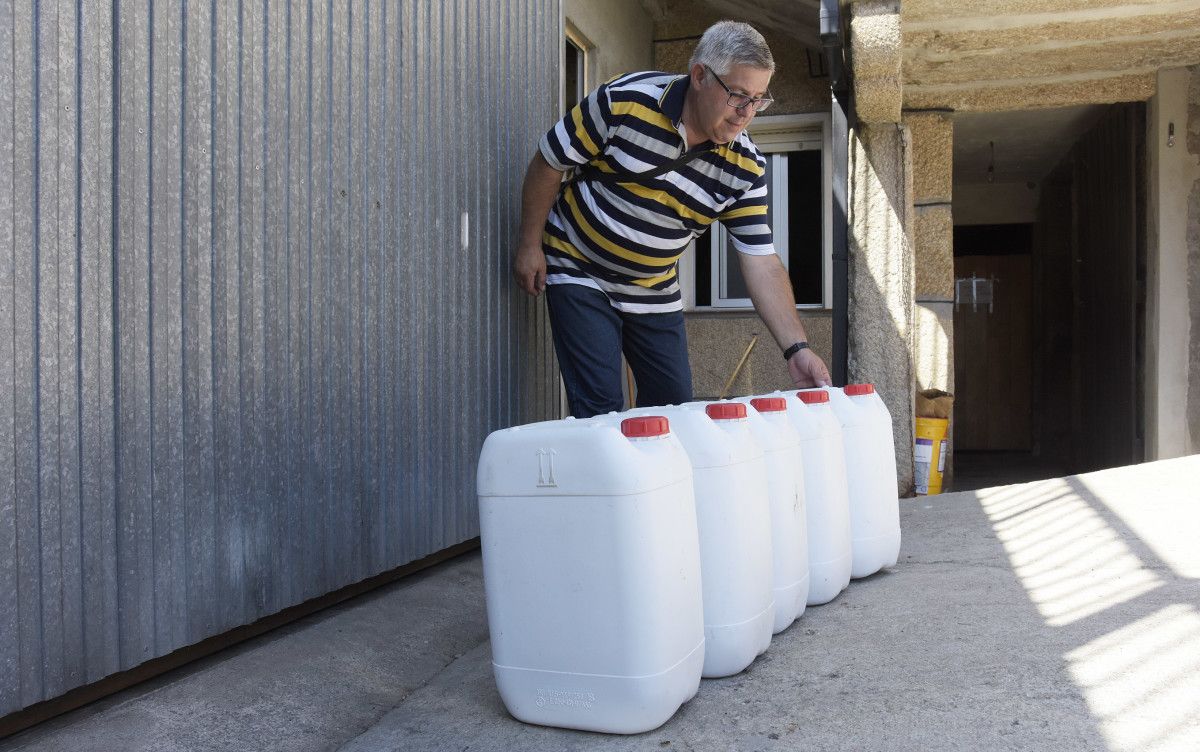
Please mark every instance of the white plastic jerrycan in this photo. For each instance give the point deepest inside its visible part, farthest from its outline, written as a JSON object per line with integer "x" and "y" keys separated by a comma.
{"x": 592, "y": 572}
{"x": 769, "y": 423}
{"x": 870, "y": 476}
{"x": 825, "y": 499}
{"x": 734, "y": 522}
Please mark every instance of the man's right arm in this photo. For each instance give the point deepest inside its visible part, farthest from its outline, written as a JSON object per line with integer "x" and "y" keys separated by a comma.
{"x": 537, "y": 196}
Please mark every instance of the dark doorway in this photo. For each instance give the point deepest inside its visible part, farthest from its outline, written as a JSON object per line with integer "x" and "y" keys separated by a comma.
{"x": 1048, "y": 315}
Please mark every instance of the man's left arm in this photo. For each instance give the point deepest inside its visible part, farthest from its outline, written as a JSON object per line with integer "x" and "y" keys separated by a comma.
{"x": 771, "y": 290}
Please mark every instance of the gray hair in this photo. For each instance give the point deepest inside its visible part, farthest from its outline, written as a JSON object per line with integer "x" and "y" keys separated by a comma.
{"x": 729, "y": 43}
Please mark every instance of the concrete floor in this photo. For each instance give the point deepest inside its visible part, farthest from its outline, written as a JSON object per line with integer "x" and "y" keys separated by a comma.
{"x": 1057, "y": 615}
{"x": 976, "y": 470}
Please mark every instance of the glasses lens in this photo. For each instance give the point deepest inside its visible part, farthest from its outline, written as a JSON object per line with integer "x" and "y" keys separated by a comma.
{"x": 738, "y": 101}
{"x": 762, "y": 104}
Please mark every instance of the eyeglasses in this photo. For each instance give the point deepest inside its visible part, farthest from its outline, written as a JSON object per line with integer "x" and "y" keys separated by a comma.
{"x": 742, "y": 101}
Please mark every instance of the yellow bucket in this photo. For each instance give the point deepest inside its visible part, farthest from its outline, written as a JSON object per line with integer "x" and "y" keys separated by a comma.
{"x": 929, "y": 454}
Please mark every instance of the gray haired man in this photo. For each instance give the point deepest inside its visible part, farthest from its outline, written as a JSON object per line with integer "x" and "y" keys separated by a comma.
{"x": 655, "y": 159}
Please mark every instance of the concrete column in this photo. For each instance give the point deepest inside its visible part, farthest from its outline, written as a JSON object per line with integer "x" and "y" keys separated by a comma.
{"x": 1173, "y": 267}
{"x": 933, "y": 252}
{"x": 882, "y": 277}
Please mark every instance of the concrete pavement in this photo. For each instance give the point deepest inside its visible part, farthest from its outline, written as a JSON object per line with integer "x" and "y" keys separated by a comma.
{"x": 1057, "y": 615}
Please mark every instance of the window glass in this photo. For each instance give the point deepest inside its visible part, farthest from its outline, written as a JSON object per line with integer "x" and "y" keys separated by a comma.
{"x": 805, "y": 231}
{"x": 703, "y": 267}
{"x": 797, "y": 213}
{"x": 572, "y": 74}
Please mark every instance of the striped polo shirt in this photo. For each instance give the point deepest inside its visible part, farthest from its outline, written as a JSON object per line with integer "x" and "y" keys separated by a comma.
{"x": 625, "y": 238}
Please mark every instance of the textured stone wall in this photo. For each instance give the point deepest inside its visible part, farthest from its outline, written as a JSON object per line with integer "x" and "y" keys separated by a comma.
{"x": 875, "y": 54}
{"x": 881, "y": 268}
{"x": 716, "y": 342}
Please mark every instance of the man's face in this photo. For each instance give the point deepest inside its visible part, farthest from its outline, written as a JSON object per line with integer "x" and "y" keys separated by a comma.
{"x": 721, "y": 122}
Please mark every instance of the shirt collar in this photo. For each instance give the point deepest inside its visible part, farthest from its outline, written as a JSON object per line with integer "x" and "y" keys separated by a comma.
{"x": 672, "y": 98}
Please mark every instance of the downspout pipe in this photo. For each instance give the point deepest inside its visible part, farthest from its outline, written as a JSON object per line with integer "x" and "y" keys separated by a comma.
{"x": 833, "y": 43}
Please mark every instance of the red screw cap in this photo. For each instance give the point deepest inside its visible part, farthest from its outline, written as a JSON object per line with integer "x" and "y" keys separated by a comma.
{"x": 725, "y": 410}
{"x": 857, "y": 390}
{"x": 645, "y": 426}
{"x": 769, "y": 404}
{"x": 813, "y": 398}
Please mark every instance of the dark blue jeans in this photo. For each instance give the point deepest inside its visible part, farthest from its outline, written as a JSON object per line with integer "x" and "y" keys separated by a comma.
{"x": 589, "y": 337}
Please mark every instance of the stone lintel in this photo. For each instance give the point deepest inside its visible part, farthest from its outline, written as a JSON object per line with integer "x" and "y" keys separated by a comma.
{"x": 988, "y": 98}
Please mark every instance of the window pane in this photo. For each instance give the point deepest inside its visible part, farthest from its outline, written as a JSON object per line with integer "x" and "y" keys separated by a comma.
{"x": 735, "y": 283}
{"x": 771, "y": 189}
{"x": 573, "y": 69}
{"x": 703, "y": 265}
{"x": 805, "y": 219}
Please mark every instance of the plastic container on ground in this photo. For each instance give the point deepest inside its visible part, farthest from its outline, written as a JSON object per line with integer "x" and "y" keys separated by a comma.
{"x": 825, "y": 500}
{"x": 592, "y": 573}
{"x": 870, "y": 477}
{"x": 929, "y": 454}
{"x": 768, "y": 420}
{"x": 734, "y": 522}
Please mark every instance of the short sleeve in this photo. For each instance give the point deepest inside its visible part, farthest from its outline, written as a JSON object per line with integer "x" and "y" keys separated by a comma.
{"x": 746, "y": 220}
{"x": 580, "y": 136}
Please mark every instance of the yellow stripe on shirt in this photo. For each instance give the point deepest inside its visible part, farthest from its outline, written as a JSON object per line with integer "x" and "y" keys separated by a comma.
{"x": 745, "y": 211}
{"x": 603, "y": 242}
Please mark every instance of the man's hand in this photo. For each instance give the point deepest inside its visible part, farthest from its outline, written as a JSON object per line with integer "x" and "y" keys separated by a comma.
{"x": 529, "y": 269}
{"x": 537, "y": 196}
{"x": 771, "y": 290}
{"x": 808, "y": 370}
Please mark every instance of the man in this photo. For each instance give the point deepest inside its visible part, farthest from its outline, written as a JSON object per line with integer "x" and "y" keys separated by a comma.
{"x": 604, "y": 245}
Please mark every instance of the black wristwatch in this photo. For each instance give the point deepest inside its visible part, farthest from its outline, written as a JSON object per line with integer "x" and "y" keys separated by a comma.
{"x": 788, "y": 353}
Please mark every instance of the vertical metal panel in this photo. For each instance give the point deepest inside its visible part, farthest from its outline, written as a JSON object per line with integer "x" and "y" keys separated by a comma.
{"x": 67, "y": 470}
{"x": 26, "y": 369}
{"x": 10, "y": 643}
{"x": 296, "y": 370}
{"x": 97, "y": 466}
{"x": 230, "y": 470}
{"x": 248, "y": 354}
{"x": 274, "y": 270}
{"x": 135, "y": 446}
{"x": 166, "y": 328}
{"x": 46, "y": 335}
{"x": 200, "y": 512}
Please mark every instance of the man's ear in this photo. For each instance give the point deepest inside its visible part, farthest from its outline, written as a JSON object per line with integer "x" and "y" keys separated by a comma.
{"x": 697, "y": 73}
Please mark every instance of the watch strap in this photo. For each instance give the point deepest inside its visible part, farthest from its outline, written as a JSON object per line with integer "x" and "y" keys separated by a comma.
{"x": 797, "y": 347}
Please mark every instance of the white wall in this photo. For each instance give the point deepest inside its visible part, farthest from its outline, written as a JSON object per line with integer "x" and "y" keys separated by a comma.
{"x": 1171, "y": 175}
{"x": 621, "y": 32}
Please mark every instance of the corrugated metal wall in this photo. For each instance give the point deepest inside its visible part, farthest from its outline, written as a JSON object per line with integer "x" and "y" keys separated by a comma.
{"x": 246, "y": 357}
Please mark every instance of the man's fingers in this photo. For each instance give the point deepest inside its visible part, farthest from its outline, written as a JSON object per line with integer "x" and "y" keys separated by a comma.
{"x": 532, "y": 282}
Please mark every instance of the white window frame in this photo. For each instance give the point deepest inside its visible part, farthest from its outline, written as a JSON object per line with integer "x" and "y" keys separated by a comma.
{"x": 575, "y": 38}
{"x": 773, "y": 134}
